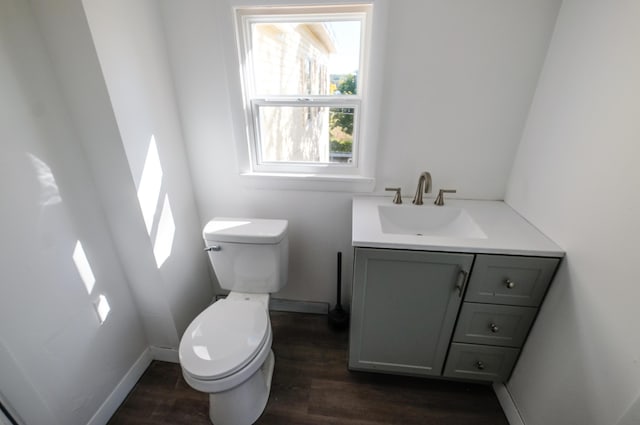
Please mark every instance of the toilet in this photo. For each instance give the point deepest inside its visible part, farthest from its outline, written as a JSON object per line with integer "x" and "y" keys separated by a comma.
{"x": 226, "y": 350}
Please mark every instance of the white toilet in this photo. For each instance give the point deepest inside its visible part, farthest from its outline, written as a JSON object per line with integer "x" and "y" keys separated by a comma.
{"x": 226, "y": 350}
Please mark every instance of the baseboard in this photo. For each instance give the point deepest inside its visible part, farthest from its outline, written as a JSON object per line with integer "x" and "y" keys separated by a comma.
{"x": 312, "y": 307}
{"x": 292, "y": 306}
{"x": 121, "y": 391}
{"x": 164, "y": 354}
{"x": 508, "y": 405}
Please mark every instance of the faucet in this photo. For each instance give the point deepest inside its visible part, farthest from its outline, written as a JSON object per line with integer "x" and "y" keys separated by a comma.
{"x": 424, "y": 185}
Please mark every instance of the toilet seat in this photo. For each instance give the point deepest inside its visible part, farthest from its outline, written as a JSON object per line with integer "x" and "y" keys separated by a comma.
{"x": 224, "y": 339}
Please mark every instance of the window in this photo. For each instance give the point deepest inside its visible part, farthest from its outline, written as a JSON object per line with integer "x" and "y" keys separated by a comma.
{"x": 304, "y": 83}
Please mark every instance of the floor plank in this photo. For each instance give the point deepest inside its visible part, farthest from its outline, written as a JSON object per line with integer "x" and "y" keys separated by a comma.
{"x": 312, "y": 386}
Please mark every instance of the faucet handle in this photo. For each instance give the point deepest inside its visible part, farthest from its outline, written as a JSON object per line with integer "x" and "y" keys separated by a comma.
{"x": 397, "y": 198}
{"x": 440, "y": 198}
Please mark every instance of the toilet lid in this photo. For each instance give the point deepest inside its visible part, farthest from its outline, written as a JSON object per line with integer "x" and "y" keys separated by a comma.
{"x": 245, "y": 230}
{"x": 223, "y": 338}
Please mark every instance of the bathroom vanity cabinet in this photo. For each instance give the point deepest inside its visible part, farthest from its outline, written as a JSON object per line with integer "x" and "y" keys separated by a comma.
{"x": 456, "y": 315}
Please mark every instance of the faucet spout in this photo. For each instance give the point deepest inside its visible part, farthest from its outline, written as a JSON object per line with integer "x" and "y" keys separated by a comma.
{"x": 424, "y": 186}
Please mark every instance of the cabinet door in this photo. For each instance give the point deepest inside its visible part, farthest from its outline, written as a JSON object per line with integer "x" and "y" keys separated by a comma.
{"x": 404, "y": 307}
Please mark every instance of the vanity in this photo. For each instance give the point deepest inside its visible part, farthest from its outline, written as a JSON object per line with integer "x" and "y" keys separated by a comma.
{"x": 445, "y": 291}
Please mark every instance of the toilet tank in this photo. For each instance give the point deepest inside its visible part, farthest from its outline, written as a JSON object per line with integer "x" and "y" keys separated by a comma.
{"x": 248, "y": 255}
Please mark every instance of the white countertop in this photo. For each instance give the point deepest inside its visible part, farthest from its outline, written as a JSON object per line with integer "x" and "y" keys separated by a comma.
{"x": 507, "y": 232}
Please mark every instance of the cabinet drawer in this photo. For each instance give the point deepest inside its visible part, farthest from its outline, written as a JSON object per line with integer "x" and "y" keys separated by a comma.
{"x": 493, "y": 324}
{"x": 500, "y": 279}
{"x": 482, "y": 362}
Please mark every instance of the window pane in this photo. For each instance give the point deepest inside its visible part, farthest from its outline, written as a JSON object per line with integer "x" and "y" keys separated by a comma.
{"x": 305, "y": 58}
{"x": 306, "y": 134}
{"x": 341, "y": 134}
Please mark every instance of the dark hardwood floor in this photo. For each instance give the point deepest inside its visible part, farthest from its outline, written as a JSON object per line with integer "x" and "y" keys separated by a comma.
{"x": 312, "y": 386}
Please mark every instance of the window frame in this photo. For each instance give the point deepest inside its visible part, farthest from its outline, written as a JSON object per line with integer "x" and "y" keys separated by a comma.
{"x": 253, "y": 101}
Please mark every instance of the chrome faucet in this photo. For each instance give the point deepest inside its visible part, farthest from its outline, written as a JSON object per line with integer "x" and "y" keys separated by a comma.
{"x": 424, "y": 185}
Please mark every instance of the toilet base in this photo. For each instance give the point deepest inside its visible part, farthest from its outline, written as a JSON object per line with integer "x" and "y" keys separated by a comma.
{"x": 243, "y": 404}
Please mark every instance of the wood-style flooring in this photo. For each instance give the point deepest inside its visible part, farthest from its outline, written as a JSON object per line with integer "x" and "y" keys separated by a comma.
{"x": 312, "y": 386}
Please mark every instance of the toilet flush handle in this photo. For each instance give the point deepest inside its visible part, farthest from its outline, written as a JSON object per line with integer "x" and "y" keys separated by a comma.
{"x": 213, "y": 248}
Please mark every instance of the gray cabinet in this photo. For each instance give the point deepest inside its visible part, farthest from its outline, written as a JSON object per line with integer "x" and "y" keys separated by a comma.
{"x": 404, "y": 308}
{"x": 412, "y": 315}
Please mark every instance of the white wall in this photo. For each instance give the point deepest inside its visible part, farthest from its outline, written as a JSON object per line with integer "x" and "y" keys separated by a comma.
{"x": 460, "y": 76}
{"x": 458, "y": 79}
{"x": 73, "y": 57}
{"x": 576, "y": 177}
{"x": 129, "y": 41}
{"x": 58, "y": 363}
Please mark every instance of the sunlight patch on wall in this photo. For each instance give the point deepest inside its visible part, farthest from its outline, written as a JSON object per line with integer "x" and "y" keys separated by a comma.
{"x": 83, "y": 267}
{"x": 102, "y": 308}
{"x": 155, "y": 205}
{"x": 150, "y": 185}
{"x": 49, "y": 192}
{"x": 101, "y": 305}
{"x": 166, "y": 232}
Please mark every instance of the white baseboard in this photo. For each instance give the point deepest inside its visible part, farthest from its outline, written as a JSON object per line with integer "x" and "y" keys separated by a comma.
{"x": 292, "y": 306}
{"x": 508, "y": 406}
{"x": 121, "y": 391}
{"x": 164, "y": 354}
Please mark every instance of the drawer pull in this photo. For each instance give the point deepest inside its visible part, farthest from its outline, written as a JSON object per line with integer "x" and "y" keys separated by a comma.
{"x": 509, "y": 283}
{"x": 479, "y": 365}
{"x": 462, "y": 282}
{"x": 494, "y": 328}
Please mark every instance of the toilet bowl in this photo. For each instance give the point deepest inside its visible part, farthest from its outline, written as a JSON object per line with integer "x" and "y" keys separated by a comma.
{"x": 226, "y": 350}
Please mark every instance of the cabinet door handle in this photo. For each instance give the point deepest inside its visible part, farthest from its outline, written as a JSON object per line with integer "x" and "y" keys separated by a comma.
{"x": 462, "y": 282}
{"x": 494, "y": 328}
{"x": 479, "y": 365}
{"x": 509, "y": 283}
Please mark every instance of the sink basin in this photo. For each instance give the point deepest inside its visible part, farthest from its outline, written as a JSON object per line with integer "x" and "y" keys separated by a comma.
{"x": 428, "y": 220}
{"x": 462, "y": 225}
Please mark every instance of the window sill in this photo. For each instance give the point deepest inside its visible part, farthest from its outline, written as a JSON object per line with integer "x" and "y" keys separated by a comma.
{"x": 315, "y": 182}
